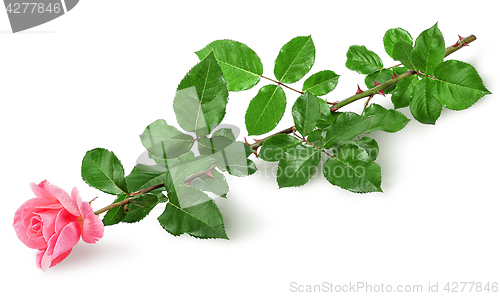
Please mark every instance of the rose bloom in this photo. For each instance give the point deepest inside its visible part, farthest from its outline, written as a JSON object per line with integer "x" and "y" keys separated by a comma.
{"x": 53, "y": 223}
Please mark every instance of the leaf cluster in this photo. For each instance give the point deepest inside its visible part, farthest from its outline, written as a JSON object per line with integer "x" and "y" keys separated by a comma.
{"x": 422, "y": 81}
{"x": 190, "y": 163}
{"x": 190, "y": 181}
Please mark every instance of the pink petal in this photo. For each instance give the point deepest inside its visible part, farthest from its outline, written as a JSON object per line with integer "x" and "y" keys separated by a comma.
{"x": 75, "y": 195}
{"x": 40, "y": 192}
{"x": 39, "y": 257}
{"x": 55, "y": 206}
{"x": 23, "y": 220}
{"x": 62, "y": 220}
{"x": 35, "y": 227}
{"x": 59, "y": 258}
{"x": 68, "y": 238}
{"x": 49, "y": 223}
{"x": 92, "y": 227}
{"x": 44, "y": 261}
{"x": 59, "y": 245}
{"x": 64, "y": 198}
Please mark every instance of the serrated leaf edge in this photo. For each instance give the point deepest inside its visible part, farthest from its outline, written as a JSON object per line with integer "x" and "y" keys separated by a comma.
{"x": 306, "y": 160}
{"x": 376, "y": 187}
{"x": 215, "y": 230}
{"x": 309, "y": 39}
{"x": 105, "y": 173}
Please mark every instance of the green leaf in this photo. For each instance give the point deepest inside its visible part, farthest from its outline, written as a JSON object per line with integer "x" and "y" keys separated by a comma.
{"x": 140, "y": 207}
{"x": 224, "y": 151}
{"x": 144, "y": 176}
{"x": 394, "y": 35}
{"x": 101, "y": 169}
{"x": 457, "y": 85}
{"x": 402, "y": 52}
{"x": 165, "y": 141}
{"x": 240, "y": 65}
{"x": 400, "y": 70}
{"x": 170, "y": 162}
{"x": 265, "y": 110}
{"x": 146, "y": 200}
{"x": 380, "y": 76}
{"x": 234, "y": 155}
{"x": 242, "y": 169}
{"x": 295, "y": 59}
{"x": 115, "y": 215}
{"x": 177, "y": 173}
{"x": 347, "y": 125}
{"x": 225, "y": 132}
{"x": 385, "y": 120}
{"x": 402, "y": 94}
{"x": 368, "y": 144}
{"x": 352, "y": 169}
{"x": 298, "y": 166}
{"x": 317, "y": 137}
{"x": 273, "y": 149}
{"x": 306, "y": 113}
{"x": 321, "y": 83}
{"x": 189, "y": 156}
{"x": 201, "y": 97}
{"x": 326, "y": 117}
{"x": 136, "y": 213}
{"x": 429, "y": 50}
{"x": 216, "y": 184}
{"x": 213, "y": 145}
{"x": 423, "y": 106}
{"x": 362, "y": 60}
{"x": 194, "y": 213}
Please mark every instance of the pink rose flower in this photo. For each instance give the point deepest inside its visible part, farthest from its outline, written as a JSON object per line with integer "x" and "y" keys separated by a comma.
{"x": 53, "y": 223}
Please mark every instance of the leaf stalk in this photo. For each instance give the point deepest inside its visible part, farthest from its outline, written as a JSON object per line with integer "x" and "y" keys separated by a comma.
{"x": 280, "y": 83}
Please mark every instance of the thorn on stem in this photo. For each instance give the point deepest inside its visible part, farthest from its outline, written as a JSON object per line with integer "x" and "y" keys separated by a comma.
{"x": 246, "y": 142}
{"x": 380, "y": 92}
{"x": 209, "y": 173}
{"x": 359, "y": 90}
{"x": 460, "y": 38}
{"x": 334, "y": 107}
{"x": 254, "y": 149}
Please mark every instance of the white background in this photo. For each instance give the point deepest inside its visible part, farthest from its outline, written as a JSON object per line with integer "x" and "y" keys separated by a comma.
{"x": 99, "y": 75}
